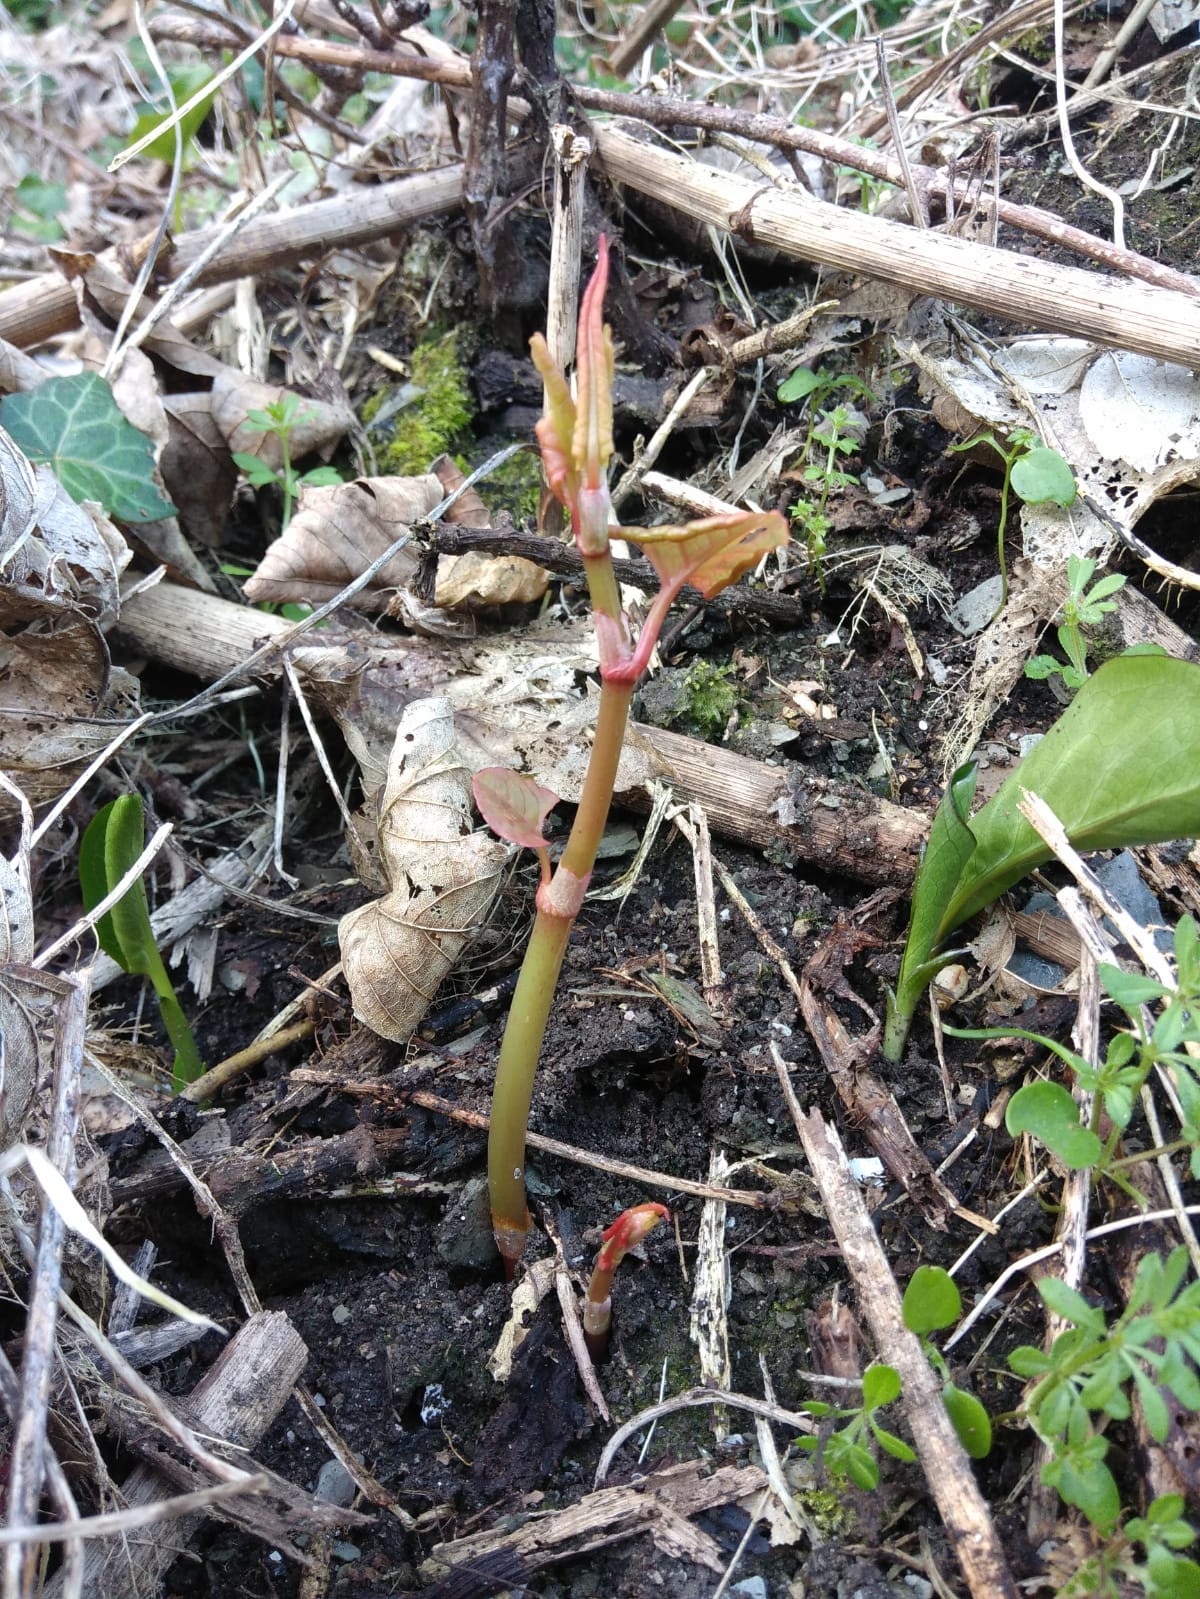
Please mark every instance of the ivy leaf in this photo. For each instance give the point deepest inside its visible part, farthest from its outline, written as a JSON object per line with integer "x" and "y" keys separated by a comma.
{"x": 513, "y": 806}
{"x": 74, "y": 426}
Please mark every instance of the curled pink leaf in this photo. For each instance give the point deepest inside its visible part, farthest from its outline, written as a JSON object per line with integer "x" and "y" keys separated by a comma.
{"x": 593, "y": 441}
{"x": 513, "y": 806}
{"x": 630, "y": 1227}
{"x": 556, "y": 429}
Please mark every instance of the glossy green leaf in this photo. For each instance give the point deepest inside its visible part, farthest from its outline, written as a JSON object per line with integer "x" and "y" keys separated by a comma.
{"x": 931, "y": 1300}
{"x": 1048, "y": 1111}
{"x": 971, "y": 1421}
{"x": 114, "y": 839}
{"x": 74, "y": 426}
{"x": 1120, "y": 767}
{"x": 1070, "y": 1304}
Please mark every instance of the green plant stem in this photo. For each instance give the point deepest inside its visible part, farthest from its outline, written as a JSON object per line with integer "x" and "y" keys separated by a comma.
{"x": 530, "y": 1010}
{"x": 1003, "y": 564}
{"x": 288, "y": 480}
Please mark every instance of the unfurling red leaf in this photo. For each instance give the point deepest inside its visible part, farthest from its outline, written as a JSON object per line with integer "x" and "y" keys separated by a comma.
{"x": 513, "y": 806}
{"x": 713, "y": 553}
{"x": 629, "y": 1229}
{"x": 592, "y": 445}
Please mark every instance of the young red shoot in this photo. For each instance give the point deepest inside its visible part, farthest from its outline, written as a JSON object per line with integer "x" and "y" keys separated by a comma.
{"x": 626, "y": 1233}
{"x": 576, "y": 439}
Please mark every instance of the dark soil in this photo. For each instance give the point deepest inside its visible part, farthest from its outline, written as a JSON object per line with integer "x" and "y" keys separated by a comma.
{"x": 400, "y": 1321}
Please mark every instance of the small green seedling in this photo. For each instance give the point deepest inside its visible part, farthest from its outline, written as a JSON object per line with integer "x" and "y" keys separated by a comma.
{"x": 1120, "y": 766}
{"x": 626, "y": 1233}
{"x": 1035, "y": 474}
{"x": 1083, "y": 607}
{"x": 830, "y": 431}
{"x": 846, "y": 1451}
{"x": 281, "y": 418}
{"x": 1090, "y": 1370}
{"x": 931, "y": 1302}
{"x": 114, "y": 839}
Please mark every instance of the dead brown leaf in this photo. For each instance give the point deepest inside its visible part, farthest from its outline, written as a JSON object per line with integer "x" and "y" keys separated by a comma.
{"x": 443, "y": 878}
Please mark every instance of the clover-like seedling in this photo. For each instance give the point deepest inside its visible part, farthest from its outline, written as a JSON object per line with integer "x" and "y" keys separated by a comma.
{"x": 626, "y": 1233}
{"x": 576, "y": 438}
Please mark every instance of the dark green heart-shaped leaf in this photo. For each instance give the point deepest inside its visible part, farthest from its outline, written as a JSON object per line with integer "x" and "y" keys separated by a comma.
{"x": 74, "y": 426}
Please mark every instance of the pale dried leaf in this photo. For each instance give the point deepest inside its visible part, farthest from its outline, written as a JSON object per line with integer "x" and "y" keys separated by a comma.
{"x": 475, "y": 580}
{"x": 337, "y": 533}
{"x": 397, "y": 951}
{"x": 443, "y": 878}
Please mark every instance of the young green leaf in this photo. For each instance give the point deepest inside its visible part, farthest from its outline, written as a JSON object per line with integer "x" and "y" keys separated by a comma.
{"x": 801, "y": 382}
{"x": 73, "y": 425}
{"x": 1048, "y": 1111}
{"x": 1130, "y": 989}
{"x": 881, "y": 1384}
{"x": 1042, "y": 477}
{"x": 1070, "y": 1304}
{"x": 931, "y": 1300}
{"x": 971, "y": 1421}
{"x": 114, "y": 839}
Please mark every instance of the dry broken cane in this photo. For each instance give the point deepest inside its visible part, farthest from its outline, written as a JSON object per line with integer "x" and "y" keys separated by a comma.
{"x": 576, "y": 441}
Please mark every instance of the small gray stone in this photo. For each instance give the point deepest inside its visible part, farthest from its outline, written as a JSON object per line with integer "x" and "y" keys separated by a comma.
{"x": 341, "y": 1315}
{"x": 347, "y": 1552}
{"x": 335, "y": 1485}
{"x": 464, "y": 1236}
{"x": 750, "y": 1588}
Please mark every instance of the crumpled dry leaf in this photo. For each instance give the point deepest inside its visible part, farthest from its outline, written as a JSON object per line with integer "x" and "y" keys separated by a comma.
{"x": 397, "y": 950}
{"x": 336, "y": 534}
{"x": 338, "y": 531}
{"x": 59, "y": 567}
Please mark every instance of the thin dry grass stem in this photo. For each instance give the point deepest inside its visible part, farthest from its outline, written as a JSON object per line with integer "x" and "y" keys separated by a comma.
{"x": 113, "y": 1521}
{"x": 918, "y": 203}
{"x": 117, "y": 892}
{"x": 1111, "y": 52}
{"x": 650, "y": 453}
{"x": 698, "y": 1399}
{"x": 1085, "y": 177}
{"x": 57, "y": 1487}
{"x": 581, "y": 1157}
{"x": 1037, "y": 1256}
{"x": 712, "y": 978}
{"x": 1048, "y": 827}
{"x": 27, "y": 1457}
{"x": 568, "y": 1301}
{"x": 281, "y": 784}
{"x": 318, "y": 744}
{"x": 223, "y": 1224}
{"x": 1071, "y": 1228}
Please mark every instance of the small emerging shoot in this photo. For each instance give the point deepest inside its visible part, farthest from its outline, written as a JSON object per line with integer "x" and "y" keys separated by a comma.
{"x": 626, "y": 1233}
{"x": 114, "y": 839}
{"x": 576, "y": 440}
